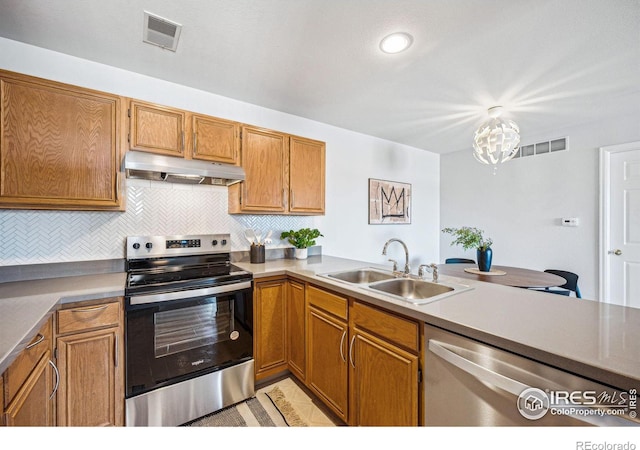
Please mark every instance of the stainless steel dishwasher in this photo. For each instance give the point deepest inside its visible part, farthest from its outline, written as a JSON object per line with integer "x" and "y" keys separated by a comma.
{"x": 468, "y": 383}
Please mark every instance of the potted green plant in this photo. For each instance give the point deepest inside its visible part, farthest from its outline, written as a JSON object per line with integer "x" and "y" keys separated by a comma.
{"x": 301, "y": 239}
{"x": 470, "y": 238}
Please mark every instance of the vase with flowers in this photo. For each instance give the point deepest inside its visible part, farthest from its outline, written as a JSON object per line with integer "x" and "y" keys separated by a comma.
{"x": 470, "y": 238}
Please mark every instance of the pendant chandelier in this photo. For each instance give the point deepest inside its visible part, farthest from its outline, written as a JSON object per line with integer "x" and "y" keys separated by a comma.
{"x": 497, "y": 140}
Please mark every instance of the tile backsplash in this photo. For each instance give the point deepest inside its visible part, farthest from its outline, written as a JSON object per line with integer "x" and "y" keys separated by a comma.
{"x": 153, "y": 208}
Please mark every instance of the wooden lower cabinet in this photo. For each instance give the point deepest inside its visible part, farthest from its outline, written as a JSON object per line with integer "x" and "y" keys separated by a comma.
{"x": 2, "y": 421}
{"x": 327, "y": 369}
{"x": 361, "y": 361}
{"x": 384, "y": 383}
{"x": 296, "y": 329}
{"x": 270, "y": 327}
{"x": 90, "y": 350}
{"x": 28, "y": 390}
{"x": 384, "y": 373}
{"x": 33, "y": 404}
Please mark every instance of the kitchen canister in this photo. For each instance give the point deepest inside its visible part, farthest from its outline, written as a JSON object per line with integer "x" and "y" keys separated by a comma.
{"x": 256, "y": 254}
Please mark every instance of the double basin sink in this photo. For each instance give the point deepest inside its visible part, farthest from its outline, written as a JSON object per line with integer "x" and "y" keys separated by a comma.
{"x": 410, "y": 289}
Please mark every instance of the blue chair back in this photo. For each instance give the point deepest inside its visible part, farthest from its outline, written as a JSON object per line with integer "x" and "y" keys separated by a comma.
{"x": 570, "y": 286}
{"x": 459, "y": 261}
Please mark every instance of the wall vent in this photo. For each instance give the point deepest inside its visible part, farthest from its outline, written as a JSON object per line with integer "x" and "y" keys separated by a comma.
{"x": 539, "y": 148}
{"x": 160, "y": 31}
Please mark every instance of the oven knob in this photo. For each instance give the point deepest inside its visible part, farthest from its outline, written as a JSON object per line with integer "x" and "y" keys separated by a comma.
{"x": 224, "y": 242}
{"x": 149, "y": 245}
{"x": 136, "y": 246}
{"x": 214, "y": 242}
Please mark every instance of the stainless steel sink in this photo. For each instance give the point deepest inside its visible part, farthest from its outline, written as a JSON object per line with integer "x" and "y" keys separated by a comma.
{"x": 361, "y": 276}
{"x": 411, "y": 289}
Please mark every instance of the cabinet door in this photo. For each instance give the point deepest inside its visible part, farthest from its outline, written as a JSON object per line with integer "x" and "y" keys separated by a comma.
{"x": 215, "y": 139}
{"x": 156, "y": 129}
{"x": 33, "y": 403}
{"x": 269, "y": 330}
{"x": 296, "y": 328}
{"x": 91, "y": 389}
{"x": 20, "y": 369}
{"x": 384, "y": 383}
{"x": 59, "y": 147}
{"x": 264, "y": 159}
{"x": 306, "y": 176}
{"x": 327, "y": 369}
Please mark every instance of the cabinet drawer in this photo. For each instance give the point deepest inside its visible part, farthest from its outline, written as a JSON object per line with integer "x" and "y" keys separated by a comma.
{"x": 398, "y": 330}
{"x": 21, "y": 368}
{"x": 86, "y": 317}
{"x": 332, "y": 303}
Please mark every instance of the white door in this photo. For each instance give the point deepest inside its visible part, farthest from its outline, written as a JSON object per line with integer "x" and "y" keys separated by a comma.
{"x": 620, "y": 242}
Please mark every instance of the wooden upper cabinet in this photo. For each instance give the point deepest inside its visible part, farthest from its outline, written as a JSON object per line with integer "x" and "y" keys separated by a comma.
{"x": 306, "y": 176}
{"x": 284, "y": 174}
{"x": 215, "y": 139}
{"x": 59, "y": 145}
{"x": 175, "y": 132}
{"x": 156, "y": 129}
{"x": 265, "y": 162}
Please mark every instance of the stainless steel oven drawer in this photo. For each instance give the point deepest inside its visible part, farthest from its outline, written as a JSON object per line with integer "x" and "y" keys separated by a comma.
{"x": 188, "y": 400}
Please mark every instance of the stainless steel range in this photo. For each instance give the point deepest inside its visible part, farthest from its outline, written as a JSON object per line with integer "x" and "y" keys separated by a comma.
{"x": 189, "y": 329}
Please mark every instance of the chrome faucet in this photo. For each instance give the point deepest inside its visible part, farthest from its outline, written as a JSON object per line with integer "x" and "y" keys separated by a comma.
{"x": 407, "y": 268}
{"x": 431, "y": 268}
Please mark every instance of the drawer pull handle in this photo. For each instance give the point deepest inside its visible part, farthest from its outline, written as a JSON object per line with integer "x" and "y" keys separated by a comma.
{"x": 351, "y": 351}
{"x": 344, "y": 334}
{"x": 40, "y": 339}
{"x": 55, "y": 389}
{"x": 97, "y": 308}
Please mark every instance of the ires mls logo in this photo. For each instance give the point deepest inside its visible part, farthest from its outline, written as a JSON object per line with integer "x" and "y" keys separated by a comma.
{"x": 534, "y": 403}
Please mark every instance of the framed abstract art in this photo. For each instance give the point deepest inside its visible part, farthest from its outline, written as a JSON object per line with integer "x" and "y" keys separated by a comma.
{"x": 389, "y": 202}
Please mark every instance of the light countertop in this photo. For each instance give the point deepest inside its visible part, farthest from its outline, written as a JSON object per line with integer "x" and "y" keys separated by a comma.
{"x": 592, "y": 339}
{"x": 26, "y": 305}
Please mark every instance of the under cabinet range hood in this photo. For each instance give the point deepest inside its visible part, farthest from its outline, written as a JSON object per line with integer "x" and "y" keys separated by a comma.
{"x": 149, "y": 166}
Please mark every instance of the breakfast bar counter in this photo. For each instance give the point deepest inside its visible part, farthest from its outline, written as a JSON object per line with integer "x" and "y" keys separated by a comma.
{"x": 595, "y": 340}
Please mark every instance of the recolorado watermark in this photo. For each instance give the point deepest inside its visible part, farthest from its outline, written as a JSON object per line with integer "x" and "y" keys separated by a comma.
{"x": 588, "y": 445}
{"x": 534, "y": 403}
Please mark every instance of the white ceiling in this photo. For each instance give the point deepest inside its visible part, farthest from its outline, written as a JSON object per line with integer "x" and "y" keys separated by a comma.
{"x": 550, "y": 63}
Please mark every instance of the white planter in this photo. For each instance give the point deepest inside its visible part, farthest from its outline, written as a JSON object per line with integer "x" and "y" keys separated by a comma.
{"x": 300, "y": 253}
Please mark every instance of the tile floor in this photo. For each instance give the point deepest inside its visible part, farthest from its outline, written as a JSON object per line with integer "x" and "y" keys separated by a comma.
{"x": 310, "y": 410}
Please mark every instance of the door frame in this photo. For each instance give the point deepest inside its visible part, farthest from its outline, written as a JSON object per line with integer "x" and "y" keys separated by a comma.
{"x": 605, "y": 211}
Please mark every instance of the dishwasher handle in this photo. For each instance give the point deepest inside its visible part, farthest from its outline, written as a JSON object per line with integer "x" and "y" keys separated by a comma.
{"x": 476, "y": 370}
{"x": 513, "y": 386}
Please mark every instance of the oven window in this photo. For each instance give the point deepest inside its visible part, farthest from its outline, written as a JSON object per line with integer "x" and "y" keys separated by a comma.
{"x": 192, "y": 327}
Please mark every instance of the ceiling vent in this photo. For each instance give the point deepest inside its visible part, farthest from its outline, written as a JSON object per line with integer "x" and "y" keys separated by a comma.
{"x": 161, "y": 32}
{"x": 539, "y": 148}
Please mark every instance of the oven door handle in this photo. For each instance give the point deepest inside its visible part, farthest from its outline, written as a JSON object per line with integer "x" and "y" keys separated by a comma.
{"x": 191, "y": 293}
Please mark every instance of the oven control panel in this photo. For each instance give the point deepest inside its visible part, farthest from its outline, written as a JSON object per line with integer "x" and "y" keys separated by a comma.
{"x": 181, "y": 245}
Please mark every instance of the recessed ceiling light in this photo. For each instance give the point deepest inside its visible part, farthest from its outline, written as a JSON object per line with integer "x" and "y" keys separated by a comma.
{"x": 396, "y": 42}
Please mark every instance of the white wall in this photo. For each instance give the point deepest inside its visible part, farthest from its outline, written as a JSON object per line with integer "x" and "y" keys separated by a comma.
{"x": 352, "y": 158}
{"x": 520, "y": 207}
